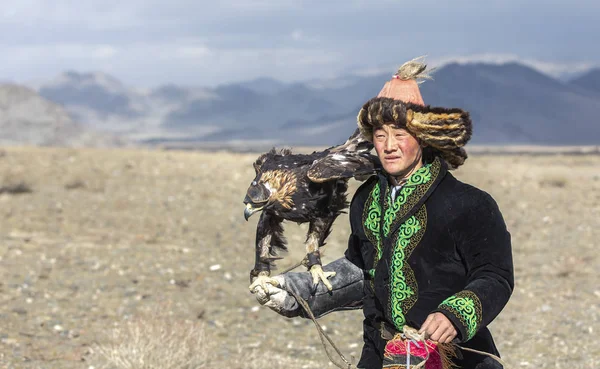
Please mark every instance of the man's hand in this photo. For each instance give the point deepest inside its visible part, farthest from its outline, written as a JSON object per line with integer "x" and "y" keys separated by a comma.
{"x": 438, "y": 328}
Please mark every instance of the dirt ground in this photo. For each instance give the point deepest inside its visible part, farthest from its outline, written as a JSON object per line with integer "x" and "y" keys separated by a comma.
{"x": 91, "y": 239}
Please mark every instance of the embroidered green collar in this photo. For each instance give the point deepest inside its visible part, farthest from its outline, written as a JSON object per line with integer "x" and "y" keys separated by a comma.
{"x": 381, "y": 215}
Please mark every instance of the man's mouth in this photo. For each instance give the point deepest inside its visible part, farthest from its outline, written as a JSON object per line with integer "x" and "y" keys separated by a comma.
{"x": 391, "y": 158}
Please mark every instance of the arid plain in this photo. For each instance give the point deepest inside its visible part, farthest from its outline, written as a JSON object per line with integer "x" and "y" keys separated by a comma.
{"x": 94, "y": 240}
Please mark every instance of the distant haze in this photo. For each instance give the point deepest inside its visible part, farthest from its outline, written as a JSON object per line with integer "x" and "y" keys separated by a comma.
{"x": 509, "y": 104}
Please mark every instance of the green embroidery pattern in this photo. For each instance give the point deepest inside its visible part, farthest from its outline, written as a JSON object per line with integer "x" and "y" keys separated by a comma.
{"x": 415, "y": 188}
{"x": 421, "y": 176}
{"x": 466, "y": 306}
{"x": 404, "y": 288}
{"x": 372, "y": 219}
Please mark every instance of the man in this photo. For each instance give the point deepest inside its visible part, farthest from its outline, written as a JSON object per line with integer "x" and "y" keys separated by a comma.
{"x": 426, "y": 250}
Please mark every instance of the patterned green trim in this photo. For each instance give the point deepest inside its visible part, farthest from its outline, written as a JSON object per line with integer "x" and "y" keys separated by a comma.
{"x": 372, "y": 220}
{"x": 466, "y": 306}
{"x": 413, "y": 190}
{"x": 404, "y": 288}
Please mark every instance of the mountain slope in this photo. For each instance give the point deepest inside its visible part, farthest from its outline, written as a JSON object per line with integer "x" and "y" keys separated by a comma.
{"x": 590, "y": 81}
{"x": 96, "y": 91}
{"x": 28, "y": 119}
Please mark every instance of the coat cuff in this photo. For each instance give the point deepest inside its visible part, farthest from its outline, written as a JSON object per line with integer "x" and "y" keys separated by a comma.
{"x": 465, "y": 312}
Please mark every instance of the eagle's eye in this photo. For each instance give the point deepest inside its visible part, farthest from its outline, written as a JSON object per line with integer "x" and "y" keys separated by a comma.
{"x": 258, "y": 193}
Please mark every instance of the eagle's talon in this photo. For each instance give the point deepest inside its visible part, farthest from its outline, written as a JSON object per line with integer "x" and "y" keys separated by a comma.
{"x": 319, "y": 275}
{"x": 261, "y": 281}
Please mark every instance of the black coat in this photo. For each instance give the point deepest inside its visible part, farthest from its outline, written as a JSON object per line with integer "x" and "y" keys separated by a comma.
{"x": 442, "y": 247}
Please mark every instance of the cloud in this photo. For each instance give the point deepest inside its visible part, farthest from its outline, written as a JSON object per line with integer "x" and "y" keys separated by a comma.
{"x": 87, "y": 14}
{"x": 193, "y": 52}
{"x": 44, "y": 53}
{"x": 104, "y": 52}
{"x": 188, "y": 63}
{"x": 555, "y": 69}
{"x": 297, "y": 35}
{"x": 147, "y": 42}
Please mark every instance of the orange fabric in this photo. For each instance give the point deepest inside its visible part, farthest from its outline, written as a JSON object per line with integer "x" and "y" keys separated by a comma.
{"x": 404, "y": 90}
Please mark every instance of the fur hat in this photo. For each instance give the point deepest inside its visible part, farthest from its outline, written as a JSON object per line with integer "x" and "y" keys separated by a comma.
{"x": 399, "y": 102}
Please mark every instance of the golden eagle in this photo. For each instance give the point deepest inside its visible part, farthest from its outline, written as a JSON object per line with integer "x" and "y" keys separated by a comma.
{"x": 303, "y": 188}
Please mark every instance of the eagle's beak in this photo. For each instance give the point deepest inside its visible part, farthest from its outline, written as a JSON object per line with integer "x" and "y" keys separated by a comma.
{"x": 249, "y": 210}
{"x": 256, "y": 199}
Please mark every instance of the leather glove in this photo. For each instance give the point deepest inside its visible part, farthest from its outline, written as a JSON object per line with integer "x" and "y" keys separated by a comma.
{"x": 347, "y": 292}
{"x": 277, "y": 298}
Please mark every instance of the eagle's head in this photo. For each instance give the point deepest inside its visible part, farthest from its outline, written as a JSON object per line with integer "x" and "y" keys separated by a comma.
{"x": 273, "y": 185}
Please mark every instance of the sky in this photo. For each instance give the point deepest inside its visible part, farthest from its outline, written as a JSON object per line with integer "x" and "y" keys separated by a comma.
{"x": 147, "y": 43}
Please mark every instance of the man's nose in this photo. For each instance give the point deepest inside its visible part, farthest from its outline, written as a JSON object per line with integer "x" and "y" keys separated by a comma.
{"x": 390, "y": 144}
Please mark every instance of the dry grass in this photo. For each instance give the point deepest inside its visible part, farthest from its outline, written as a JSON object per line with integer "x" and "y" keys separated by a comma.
{"x": 15, "y": 179}
{"x": 158, "y": 340}
{"x": 16, "y": 188}
{"x": 15, "y": 183}
{"x": 153, "y": 342}
{"x": 556, "y": 180}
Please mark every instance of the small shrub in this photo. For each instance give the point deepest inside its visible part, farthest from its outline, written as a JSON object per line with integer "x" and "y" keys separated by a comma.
{"x": 554, "y": 181}
{"x": 153, "y": 342}
{"x": 75, "y": 184}
{"x": 16, "y": 188}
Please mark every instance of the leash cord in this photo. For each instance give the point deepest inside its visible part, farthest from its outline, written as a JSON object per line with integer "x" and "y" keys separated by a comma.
{"x": 293, "y": 266}
{"x": 484, "y": 353}
{"x": 322, "y": 335}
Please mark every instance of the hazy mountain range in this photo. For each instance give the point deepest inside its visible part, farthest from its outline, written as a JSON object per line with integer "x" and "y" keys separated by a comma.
{"x": 509, "y": 104}
{"x": 28, "y": 119}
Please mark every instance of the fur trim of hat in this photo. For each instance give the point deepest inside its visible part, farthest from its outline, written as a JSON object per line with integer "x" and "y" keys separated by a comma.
{"x": 445, "y": 130}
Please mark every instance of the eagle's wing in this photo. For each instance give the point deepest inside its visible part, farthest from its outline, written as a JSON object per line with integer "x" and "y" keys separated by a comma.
{"x": 350, "y": 159}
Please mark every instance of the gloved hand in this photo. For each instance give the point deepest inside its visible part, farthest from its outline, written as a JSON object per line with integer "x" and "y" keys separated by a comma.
{"x": 277, "y": 298}
{"x": 347, "y": 292}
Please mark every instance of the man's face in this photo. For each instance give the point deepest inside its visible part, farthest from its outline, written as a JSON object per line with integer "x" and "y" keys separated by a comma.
{"x": 398, "y": 150}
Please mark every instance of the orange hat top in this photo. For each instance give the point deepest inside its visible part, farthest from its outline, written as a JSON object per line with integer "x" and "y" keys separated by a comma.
{"x": 404, "y": 86}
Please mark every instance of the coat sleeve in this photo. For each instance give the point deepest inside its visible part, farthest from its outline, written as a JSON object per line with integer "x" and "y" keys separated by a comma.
{"x": 484, "y": 245}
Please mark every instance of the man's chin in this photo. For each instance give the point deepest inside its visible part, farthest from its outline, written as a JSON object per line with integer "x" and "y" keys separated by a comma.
{"x": 395, "y": 170}
{"x": 400, "y": 169}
